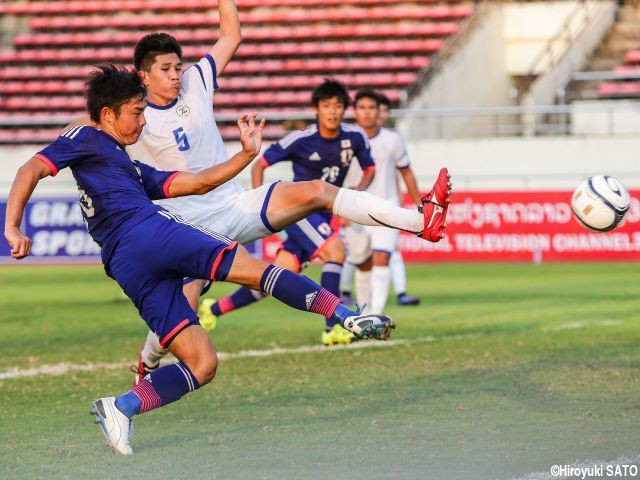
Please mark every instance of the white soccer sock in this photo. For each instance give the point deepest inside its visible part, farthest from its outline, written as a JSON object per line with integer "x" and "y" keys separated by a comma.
{"x": 346, "y": 278}
{"x": 398, "y": 273}
{"x": 380, "y": 279}
{"x": 363, "y": 287}
{"x": 152, "y": 351}
{"x": 360, "y": 207}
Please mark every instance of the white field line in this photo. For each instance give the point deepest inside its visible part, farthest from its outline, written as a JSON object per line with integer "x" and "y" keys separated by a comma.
{"x": 64, "y": 368}
{"x": 587, "y": 470}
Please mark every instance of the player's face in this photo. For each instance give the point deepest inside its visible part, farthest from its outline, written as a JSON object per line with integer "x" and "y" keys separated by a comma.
{"x": 128, "y": 125}
{"x": 366, "y": 112}
{"x": 383, "y": 116}
{"x": 164, "y": 77}
{"x": 330, "y": 112}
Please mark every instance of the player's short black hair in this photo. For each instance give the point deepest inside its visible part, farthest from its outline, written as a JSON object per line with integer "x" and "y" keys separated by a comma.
{"x": 367, "y": 93}
{"x": 383, "y": 99}
{"x": 328, "y": 89}
{"x": 149, "y": 46}
{"x": 111, "y": 86}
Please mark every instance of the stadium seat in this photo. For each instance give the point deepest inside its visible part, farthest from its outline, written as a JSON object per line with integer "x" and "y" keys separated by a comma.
{"x": 288, "y": 47}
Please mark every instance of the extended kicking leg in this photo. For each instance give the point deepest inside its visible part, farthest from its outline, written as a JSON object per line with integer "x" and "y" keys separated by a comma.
{"x": 290, "y": 202}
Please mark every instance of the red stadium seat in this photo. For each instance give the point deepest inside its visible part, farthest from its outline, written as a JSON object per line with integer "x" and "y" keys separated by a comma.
{"x": 288, "y": 47}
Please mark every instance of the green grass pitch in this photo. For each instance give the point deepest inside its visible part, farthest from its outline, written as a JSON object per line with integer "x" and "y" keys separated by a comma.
{"x": 502, "y": 371}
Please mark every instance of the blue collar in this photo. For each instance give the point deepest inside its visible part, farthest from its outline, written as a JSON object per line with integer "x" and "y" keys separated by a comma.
{"x": 158, "y": 107}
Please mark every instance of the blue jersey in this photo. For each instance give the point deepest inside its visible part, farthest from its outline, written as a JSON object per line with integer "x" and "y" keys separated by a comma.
{"x": 115, "y": 192}
{"x": 315, "y": 157}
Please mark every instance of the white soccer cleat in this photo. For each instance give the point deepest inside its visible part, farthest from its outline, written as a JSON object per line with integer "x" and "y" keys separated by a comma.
{"x": 370, "y": 326}
{"x": 115, "y": 425}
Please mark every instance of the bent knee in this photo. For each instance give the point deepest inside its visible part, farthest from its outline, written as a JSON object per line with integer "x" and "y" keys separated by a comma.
{"x": 205, "y": 369}
{"x": 333, "y": 252}
{"x": 320, "y": 192}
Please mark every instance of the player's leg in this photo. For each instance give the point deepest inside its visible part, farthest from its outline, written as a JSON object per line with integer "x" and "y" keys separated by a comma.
{"x": 399, "y": 280}
{"x": 152, "y": 352}
{"x": 346, "y": 282}
{"x": 363, "y": 284}
{"x": 167, "y": 313}
{"x": 359, "y": 247}
{"x": 332, "y": 254}
{"x": 383, "y": 242}
{"x": 311, "y": 237}
{"x": 197, "y": 363}
{"x": 244, "y": 296}
{"x": 380, "y": 281}
{"x": 290, "y": 202}
{"x": 302, "y": 293}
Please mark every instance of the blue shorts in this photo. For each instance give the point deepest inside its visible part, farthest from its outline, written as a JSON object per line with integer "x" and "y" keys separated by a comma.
{"x": 151, "y": 260}
{"x": 305, "y": 238}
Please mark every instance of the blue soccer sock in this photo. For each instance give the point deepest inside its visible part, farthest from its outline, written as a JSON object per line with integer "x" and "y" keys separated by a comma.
{"x": 240, "y": 298}
{"x": 330, "y": 279}
{"x": 302, "y": 293}
{"x": 167, "y": 384}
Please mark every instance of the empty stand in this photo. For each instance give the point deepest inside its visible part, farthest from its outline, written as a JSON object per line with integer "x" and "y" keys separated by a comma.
{"x": 288, "y": 47}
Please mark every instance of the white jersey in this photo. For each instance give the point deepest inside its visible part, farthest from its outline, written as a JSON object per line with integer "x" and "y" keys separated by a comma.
{"x": 389, "y": 153}
{"x": 184, "y": 136}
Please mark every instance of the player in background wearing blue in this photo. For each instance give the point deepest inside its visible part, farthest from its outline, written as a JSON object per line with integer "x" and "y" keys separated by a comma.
{"x": 396, "y": 262}
{"x": 149, "y": 250}
{"x": 322, "y": 151}
{"x": 181, "y": 134}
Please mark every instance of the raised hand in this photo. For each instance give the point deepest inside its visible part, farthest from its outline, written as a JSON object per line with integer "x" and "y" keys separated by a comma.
{"x": 250, "y": 134}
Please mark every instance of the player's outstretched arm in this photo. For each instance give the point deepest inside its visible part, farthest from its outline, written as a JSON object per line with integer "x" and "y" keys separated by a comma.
{"x": 367, "y": 178}
{"x": 257, "y": 174}
{"x": 25, "y": 182}
{"x": 230, "y": 35}
{"x": 206, "y": 180}
{"x": 412, "y": 185}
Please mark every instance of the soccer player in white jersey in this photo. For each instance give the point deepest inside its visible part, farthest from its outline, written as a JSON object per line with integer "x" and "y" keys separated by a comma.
{"x": 370, "y": 247}
{"x": 181, "y": 133}
{"x": 396, "y": 263}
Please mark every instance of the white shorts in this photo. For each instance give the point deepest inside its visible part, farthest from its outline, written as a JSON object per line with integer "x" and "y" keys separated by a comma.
{"x": 242, "y": 216}
{"x": 362, "y": 241}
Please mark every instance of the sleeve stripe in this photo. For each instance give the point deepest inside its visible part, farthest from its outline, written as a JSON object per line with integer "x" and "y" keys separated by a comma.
{"x": 214, "y": 70}
{"x": 48, "y": 163}
{"x": 370, "y": 168}
{"x": 167, "y": 184}
{"x": 201, "y": 75}
{"x": 263, "y": 162}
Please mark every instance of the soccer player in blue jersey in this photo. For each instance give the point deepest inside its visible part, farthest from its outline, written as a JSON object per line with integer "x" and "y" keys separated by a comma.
{"x": 148, "y": 250}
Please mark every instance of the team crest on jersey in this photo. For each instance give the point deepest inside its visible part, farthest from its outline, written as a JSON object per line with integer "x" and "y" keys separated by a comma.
{"x": 346, "y": 143}
{"x": 183, "y": 110}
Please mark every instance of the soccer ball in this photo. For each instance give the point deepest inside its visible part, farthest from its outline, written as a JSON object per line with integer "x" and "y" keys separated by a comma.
{"x": 600, "y": 203}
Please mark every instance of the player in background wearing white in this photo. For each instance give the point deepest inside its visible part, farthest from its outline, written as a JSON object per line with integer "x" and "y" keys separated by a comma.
{"x": 370, "y": 247}
{"x": 181, "y": 134}
{"x": 396, "y": 263}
